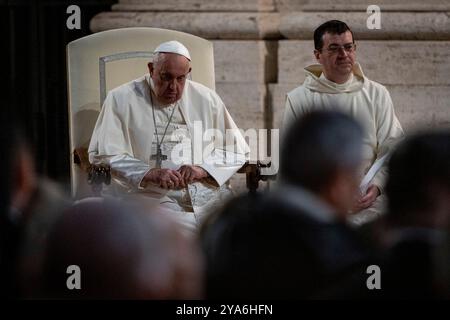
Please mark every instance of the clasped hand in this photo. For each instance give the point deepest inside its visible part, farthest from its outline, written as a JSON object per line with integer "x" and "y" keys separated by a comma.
{"x": 175, "y": 179}
{"x": 365, "y": 201}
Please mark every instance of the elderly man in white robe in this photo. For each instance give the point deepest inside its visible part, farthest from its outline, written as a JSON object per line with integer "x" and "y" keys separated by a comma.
{"x": 151, "y": 131}
{"x": 338, "y": 83}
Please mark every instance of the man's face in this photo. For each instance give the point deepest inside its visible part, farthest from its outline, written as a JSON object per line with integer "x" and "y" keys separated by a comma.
{"x": 337, "y": 55}
{"x": 169, "y": 75}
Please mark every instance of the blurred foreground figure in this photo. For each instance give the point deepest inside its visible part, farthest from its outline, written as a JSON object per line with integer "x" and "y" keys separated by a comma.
{"x": 293, "y": 243}
{"x": 121, "y": 253}
{"x": 417, "y": 224}
{"x": 29, "y": 206}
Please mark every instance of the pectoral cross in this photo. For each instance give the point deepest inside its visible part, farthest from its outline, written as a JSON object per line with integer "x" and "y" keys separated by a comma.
{"x": 159, "y": 157}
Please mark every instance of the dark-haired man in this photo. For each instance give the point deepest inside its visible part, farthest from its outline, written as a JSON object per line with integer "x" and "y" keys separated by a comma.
{"x": 338, "y": 83}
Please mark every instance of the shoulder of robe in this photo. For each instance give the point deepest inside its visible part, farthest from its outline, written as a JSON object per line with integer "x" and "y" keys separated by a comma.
{"x": 297, "y": 95}
{"x": 122, "y": 94}
{"x": 376, "y": 90}
{"x": 208, "y": 97}
{"x": 378, "y": 94}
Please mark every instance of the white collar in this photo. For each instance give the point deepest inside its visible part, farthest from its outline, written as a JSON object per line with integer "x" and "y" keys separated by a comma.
{"x": 340, "y": 86}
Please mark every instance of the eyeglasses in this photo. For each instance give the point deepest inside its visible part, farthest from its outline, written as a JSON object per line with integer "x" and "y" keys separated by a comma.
{"x": 334, "y": 48}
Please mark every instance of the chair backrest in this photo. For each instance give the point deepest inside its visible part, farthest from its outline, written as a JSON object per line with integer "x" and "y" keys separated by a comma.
{"x": 105, "y": 60}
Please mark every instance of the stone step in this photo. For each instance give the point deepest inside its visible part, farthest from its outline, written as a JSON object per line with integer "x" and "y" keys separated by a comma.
{"x": 417, "y": 107}
{"x": 245, "y": 102}
{"x": 194, "y": 5}
{"x": 394, "y": 25}
{"x": 361, "y": 5}
{"x": 388, "y": 62}
{"x": 245, "y": 61}
{"x": 209, "y": 25}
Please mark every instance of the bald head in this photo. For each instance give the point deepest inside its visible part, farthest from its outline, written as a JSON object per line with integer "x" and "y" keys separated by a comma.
{"x": 169, "y": 72}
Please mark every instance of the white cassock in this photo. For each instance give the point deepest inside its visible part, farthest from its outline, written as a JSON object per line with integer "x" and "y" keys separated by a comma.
{"x": 366, "y": 101}
{"x": 124, "y": 137}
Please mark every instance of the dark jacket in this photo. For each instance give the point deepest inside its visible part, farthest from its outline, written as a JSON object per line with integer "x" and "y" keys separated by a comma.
{"x": 284, "y": 245}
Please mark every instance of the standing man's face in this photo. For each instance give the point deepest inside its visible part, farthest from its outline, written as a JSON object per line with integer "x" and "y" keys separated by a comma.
{"x": 337, "y": 56}
{"x": 169, "y": 75}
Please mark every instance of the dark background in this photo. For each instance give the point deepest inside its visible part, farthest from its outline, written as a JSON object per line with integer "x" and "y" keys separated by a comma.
{"x": 33, "y": 57}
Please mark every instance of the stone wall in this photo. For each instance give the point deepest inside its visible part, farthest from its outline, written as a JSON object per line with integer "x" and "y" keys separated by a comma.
{"x": 261, "y": 47}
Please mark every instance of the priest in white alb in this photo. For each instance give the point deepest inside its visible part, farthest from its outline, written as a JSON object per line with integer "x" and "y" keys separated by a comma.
{"x": 164, "y": 137}
{"x": 338, "y": 83}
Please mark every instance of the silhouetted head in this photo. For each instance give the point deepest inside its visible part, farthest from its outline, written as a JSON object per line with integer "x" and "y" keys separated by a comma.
{"x": 121, "y": 252}
{"x": 418, "y": 187}
{"x": 322, "y": 152}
